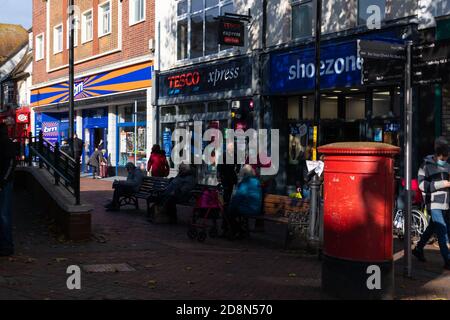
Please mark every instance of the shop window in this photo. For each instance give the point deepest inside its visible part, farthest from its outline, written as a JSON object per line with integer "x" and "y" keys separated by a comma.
{"x": 302, "y": 19}
{"x": 308, "y": 108}
{"x": 382, "y": 104}
{"x": 191, "y": 109}
{"x": 127, "y": 113}
{"x": 329, "y": 108}
{"x": 355, "y": 107}
{"x": 133, "y": 146}
{"x": 197, "y": 29}
{"x": 293, "y": 108}
{"x": 220, "y": 106}
{"x": 168, "y": 111}
{"x": 363, "y": 8}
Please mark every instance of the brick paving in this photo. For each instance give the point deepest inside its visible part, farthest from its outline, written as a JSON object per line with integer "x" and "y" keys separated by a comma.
{"x": 168, "y": 265}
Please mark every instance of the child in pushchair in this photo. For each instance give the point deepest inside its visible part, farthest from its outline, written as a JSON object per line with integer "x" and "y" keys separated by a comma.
{"x": 208, "y": 207}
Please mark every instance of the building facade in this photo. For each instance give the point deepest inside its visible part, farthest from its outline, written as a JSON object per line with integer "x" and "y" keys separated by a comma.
{"x": 354, "y": 107}
{"x": 201, "y": 81}
{"x": 276, "y": 89}
{"x": 114, "y": 52}
{"x": 15, "y": 83}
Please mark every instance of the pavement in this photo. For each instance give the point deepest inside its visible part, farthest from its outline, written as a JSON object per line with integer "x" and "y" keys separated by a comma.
{"x": 146, "y": 261}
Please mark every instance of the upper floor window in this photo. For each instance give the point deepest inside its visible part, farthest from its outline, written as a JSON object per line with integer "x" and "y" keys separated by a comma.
{"x": 87, "y": 29}
{"x": 39, "y": 49}
{"x": 197, "y": 33}
{"x": 302, "y": 19}
{"x": 76, "y": 27}
{"x": 368, "y": 8}
{"x": 137, "y": 11}
{"x": 57, "y": 39}
{"x": 104, "y": 19}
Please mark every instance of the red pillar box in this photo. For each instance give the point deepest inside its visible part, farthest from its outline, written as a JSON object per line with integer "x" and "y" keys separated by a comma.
{"x": 358, "y": 204}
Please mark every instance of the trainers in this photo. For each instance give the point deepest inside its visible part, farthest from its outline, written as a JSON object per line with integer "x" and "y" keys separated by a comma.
{"x": 419, "y": 255}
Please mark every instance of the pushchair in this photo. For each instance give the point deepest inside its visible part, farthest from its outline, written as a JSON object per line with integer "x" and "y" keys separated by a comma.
{"x": 207, "y": 210}
{"x": 419, "y": 221}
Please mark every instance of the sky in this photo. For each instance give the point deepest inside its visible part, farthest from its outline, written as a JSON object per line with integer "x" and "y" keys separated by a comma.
{"x": 16, "y": 12}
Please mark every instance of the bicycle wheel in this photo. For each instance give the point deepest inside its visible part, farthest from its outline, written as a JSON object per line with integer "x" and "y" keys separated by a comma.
{"x": 419, "y": 224}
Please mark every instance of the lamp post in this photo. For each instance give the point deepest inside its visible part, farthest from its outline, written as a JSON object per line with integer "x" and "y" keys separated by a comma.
{"x": 315, "y": 183}
{"x": 71, "y": 72}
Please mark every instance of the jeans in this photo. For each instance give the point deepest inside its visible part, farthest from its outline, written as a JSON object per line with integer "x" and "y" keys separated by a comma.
{"x": 6, "y": 241}
{"x": 438, "y": 226}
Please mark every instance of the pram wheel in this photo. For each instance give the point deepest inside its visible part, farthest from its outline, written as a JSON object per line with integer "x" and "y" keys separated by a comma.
{"x": 192, "y": 233}
{"x": 201, "y": 236}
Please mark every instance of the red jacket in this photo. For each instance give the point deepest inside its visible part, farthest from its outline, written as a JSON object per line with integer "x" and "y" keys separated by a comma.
{"x": 158, "y": 165}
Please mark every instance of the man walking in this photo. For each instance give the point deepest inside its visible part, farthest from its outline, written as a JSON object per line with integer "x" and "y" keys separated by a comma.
{"x": 77, "y": 147}
{"x": 7, "y": 163}
{"x": 434, "y": 182}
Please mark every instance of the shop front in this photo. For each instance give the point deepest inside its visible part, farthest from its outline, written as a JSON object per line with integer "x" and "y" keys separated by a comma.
{"x": 215, "y": 95}
{"x": 349, "y": 111}
{"x": 106, "y": 105}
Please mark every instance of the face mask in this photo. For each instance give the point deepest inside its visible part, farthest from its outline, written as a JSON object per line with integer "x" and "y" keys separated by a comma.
{"x": 441, "y": 163}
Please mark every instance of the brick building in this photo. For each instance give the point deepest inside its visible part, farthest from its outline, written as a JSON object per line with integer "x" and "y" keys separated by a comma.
{"x": 113, "y": 75}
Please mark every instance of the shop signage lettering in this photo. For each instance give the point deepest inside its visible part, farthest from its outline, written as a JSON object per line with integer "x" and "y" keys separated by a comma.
{"x": 294, "y": 71}
{"x": 233, "y": 74}
{"x": 186, "y": 79}
{"x": 327, "y": 67}
{"x": 231, "y": 32}
{"x": 78, "y": 88}
{"x": 50, "y": 129}
{"x": 223, "y": 75}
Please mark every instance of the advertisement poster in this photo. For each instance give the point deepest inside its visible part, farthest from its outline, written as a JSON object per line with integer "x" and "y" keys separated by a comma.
{"x": 297, "y": 142}
{"x": 167, "y": 142}
{"x": 50, "y": 131}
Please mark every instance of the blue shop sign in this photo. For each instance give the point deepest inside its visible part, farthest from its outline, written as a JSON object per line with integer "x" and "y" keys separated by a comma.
{"x": 295, "y": 70}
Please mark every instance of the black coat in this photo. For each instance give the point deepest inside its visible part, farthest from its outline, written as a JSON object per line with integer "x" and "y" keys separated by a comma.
{"x": 8, "y": 152}
{"x": 96, "y": 159}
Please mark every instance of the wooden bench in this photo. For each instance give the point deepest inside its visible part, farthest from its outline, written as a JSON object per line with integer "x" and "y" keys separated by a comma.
{"x": 151, "y": 188}
{"x": 294, "y": 213}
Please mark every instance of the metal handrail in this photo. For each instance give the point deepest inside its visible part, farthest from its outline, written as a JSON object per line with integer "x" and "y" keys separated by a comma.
{"x": 58, "y": 163}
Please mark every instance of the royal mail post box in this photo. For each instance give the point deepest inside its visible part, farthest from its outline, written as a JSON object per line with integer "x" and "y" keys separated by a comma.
{"x": 358, "y": 205}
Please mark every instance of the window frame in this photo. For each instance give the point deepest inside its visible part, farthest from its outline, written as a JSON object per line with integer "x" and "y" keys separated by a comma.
{"x": 55, "y": 51}
{"x": 41, "y": 48}
{"x": 100, "y": 19}
{"x": 299, "y": 3}
{"x": 84, "y": 38}
{"x": 188, "y": 16}
{"x": 132, "y": 17}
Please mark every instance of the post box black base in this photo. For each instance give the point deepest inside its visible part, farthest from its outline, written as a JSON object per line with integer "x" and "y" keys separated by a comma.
{"x": 345, "y": 279}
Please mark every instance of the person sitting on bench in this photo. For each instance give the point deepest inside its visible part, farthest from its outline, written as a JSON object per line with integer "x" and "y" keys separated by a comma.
{"x": 128, "y": 187}
{"x": 246, "y": 200}
{"x": 177, "y": 191}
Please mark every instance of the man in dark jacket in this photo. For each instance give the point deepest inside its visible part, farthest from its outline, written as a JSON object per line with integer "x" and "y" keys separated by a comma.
{"x": 7, "y": 164}
{"x": 131, "y": 185}
{"x": 178, "y": 191}
{"x": 434, "y": 176}
{"x": 77, "y": 147}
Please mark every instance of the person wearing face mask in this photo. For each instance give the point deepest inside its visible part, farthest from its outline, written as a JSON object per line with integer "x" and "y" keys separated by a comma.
{"x": 434, "y": 176}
